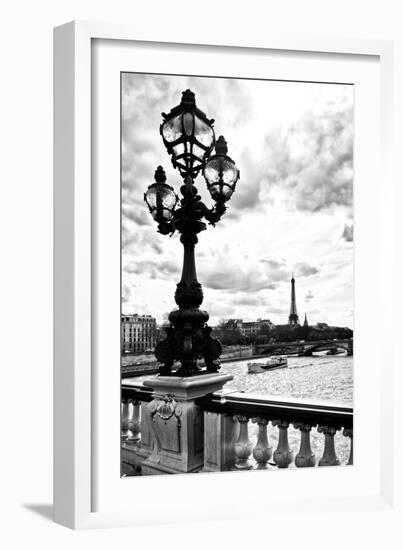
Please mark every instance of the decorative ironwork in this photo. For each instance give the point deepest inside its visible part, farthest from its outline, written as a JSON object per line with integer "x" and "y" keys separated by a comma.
{"x": 221, "y": 173}
{"x": 188, "y": 135}
{"x": 189, "y": 138}
{"x": 160, "y": 198}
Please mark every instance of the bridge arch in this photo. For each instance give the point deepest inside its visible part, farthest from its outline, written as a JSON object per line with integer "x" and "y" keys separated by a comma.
{"x": 304, "y": 348}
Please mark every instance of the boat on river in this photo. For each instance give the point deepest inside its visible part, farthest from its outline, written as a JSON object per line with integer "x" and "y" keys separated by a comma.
{"x": 277, "y": 362}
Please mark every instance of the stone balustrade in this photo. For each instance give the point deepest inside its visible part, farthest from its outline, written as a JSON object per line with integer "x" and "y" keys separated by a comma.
{"x": 131, "y": 430}
{"x": 244, "y": 431}
{"x": 275, "y": 418}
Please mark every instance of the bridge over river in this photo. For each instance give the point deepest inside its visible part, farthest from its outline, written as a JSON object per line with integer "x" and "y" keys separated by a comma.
{"x": 305, "y": 349}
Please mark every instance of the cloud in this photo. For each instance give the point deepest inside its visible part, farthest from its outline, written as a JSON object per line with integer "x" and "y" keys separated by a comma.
{"x": 247, "y": 192}
{"x": 220, "y": 310}
{"x": 140, "y": 216}
{"x": 278, "y": 269}
{"x": 243, "y": 274}
{"x": 233, "y": 277}
{"x": 139, "y": 239}
{"x": 310, "y": 164}
{"x": 126, "y": 294}
{"x": 303, "y": 269}
{"x": 163, "y": 269}
{"x": 251, "y": 300}
{"x": 309, "y": 296}
{"x": 232, "y": 215}
{"x": 224, "y": 99}
{"x": 347, "y": 234}
{"x": 225, "y": 278}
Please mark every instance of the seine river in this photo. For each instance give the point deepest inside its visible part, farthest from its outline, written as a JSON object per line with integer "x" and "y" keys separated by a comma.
{"x": 317, "y": 378}
{"x": 320, "y": 377}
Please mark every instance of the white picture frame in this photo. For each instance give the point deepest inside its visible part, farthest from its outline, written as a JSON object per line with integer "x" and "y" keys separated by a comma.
{"x": 79, "y": 388}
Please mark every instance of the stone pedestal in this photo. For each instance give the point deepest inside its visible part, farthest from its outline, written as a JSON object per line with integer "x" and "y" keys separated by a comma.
{"x": 175, "y": 424}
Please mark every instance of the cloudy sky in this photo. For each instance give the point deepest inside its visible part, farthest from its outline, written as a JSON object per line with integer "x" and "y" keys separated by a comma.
{"x": 292, "y": 209}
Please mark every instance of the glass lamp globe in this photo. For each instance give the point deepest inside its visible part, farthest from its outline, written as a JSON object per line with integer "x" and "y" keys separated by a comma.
{"x": 160, "y": 198}
{"x": 221, "y": 173}
{"x": 188, "y": 135}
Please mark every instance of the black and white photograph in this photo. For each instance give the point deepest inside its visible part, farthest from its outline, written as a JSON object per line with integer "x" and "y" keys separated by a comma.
{"x": 236, "y": 274}
{"x": 202, "y": 266}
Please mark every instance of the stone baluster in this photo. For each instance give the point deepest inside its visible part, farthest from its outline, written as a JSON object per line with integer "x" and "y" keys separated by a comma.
{"x": 262, "y": 451}
{"x": 124, "y": 420}
{"x": 282, "y": 455}
{"x": 329, "y": 457}
{"x": 305, "y": 457}
{"x": 134, "y": 422}
{"x": 243, "y": 446}
{"x": 349, "y": 433}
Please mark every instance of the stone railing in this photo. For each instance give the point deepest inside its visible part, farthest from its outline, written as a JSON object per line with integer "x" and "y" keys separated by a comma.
{"x": 262, "y": 421}
{"x": 243, "y": 431}
{"x": 132, "y": 400}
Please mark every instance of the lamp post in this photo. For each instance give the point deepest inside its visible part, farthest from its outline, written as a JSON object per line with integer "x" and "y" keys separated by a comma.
{"x": 189, "y": 137}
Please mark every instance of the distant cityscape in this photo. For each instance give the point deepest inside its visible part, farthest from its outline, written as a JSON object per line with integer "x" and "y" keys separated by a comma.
{"x": 140, "y": 333}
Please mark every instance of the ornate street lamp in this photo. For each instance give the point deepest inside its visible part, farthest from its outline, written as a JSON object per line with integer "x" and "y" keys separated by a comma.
{"x": 189, "y": 138}
{"x": 188, "y": 135}
{"x": 220, "y": 173}
{"x": 160, "y": 198}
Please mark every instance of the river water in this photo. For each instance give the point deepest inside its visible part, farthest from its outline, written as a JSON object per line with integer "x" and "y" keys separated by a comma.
{"x": 321, "y": 377}
{"x": 317, "y": 378}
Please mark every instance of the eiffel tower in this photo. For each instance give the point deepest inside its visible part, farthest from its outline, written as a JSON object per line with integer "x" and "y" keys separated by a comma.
{"x": 293, "y": 317}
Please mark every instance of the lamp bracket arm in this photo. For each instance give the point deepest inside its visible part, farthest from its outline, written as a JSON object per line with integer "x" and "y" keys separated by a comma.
{"x": 214, "y": 215}
{"x": 166, "y": 228}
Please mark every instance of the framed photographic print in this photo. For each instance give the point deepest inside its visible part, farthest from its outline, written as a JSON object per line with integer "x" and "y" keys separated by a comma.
{"x": 214, "y": 309}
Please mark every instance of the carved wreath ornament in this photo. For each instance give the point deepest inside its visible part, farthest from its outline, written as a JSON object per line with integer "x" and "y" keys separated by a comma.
{"x": 165, "y": 408}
